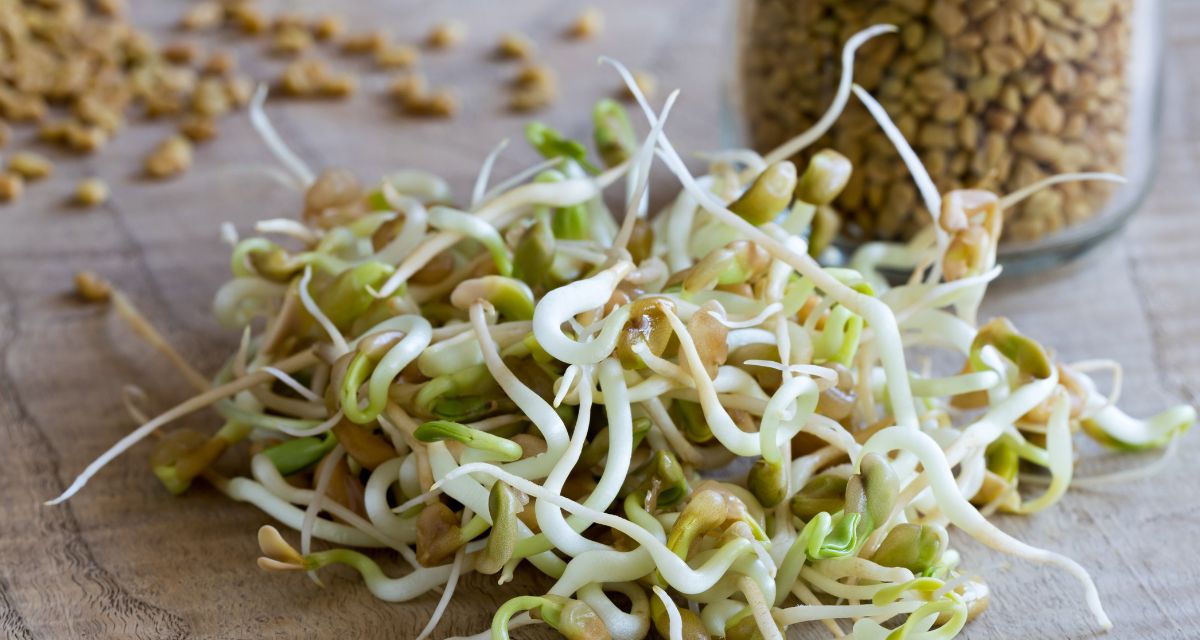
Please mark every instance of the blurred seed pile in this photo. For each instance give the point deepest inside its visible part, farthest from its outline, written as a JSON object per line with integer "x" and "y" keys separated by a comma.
{"x": 991, "y": 93}
{"x": 78, "y": 70}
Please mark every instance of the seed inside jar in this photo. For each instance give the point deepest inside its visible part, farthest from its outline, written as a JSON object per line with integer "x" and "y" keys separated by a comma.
{"x": 991, "y": 94}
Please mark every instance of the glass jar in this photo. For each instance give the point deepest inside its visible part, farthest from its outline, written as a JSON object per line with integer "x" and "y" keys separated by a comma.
{"x": 995, "y": 94}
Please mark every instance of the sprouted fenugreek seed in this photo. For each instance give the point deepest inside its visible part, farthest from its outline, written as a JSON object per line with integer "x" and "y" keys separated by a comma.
{"x": 490, "y": 371}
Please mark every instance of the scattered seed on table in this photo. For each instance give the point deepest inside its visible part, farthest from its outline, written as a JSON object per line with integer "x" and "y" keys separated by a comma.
{"x": 30, "y": 165}
{"x": 197, "y": 127}
{"x": 91, "y": 192}
{"x": 170, "y": 158}
{"x": 328, "y": 27}
{"x": 589, "y": 24}
{"x": 515, "y": 45}
{"x": 91, "y": 287}
{"x": 447, "y": 34}
{"x": 396, "y": 56}
{"x": 205, "y": 14}
{"x": 12, "y": 185}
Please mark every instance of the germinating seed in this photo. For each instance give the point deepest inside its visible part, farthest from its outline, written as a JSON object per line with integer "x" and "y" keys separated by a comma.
{"x": 396, "y": 56}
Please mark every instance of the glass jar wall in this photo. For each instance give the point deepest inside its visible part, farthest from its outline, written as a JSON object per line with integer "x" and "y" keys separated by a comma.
{"x": 994, "y": 94}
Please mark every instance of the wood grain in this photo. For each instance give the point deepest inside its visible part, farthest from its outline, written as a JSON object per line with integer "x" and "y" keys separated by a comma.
{"x": 125, "y": 560}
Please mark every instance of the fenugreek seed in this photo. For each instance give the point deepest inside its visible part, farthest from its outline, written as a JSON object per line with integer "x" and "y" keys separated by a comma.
{"x": 535, "y": 75}
{"x": 198, "y": 128}
{"x": 1044, "y": 115}
{"x": 91, "y": 287}
{"x": 397, "y": 56}
{"x": 588, "y": 24}
{"x": 91, "y": 192}
{"x": 328, "y": 27}
{"x": 645, "y": 82}
{"x": 441, "y": 103}
{"x": 239, "y": 88}
{"x": 84, "y": 138}
{"x": 408, "y": 87}
{"x": 210, "y": 98}
{"x": 291, "y": 41}
{"x": 286, "y": 21}
{"x": 951, "y": 108}
{"x": 220, "y": 62}
{"x": 12, "y": 185}
{"x": 94, "y": 111}
{"x": 447, "y": 34}
{"x": 110, "y": 8}
{"x": 205, "y": 14}
{"x": 248, "y": 18}
{"x": 1041, "y": 147}
{"x": 1095, "y": 13}
{"x": 514, "y": 45}
{"x": 303, "y": 77}
{"x": 181, "y": 51}
{"x": 368, "y": 42}
{"x": 30, "y": 165}
{"x": 948, "y": 18}
{"x": 338, "y": 85}
{"x": 163, "y": 103}
{"x": 1001, "y": 59}
{"x": 170, "y": 158}
{"x": 53, "y": 131}
{"x": 532, "y": 98}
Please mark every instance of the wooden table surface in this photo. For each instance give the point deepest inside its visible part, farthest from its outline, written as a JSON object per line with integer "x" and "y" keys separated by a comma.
{"x": 124, "y": 559}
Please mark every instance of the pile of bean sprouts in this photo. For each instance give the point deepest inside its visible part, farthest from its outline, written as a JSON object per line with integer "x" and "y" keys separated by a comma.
{"x": 684, "y": 419}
